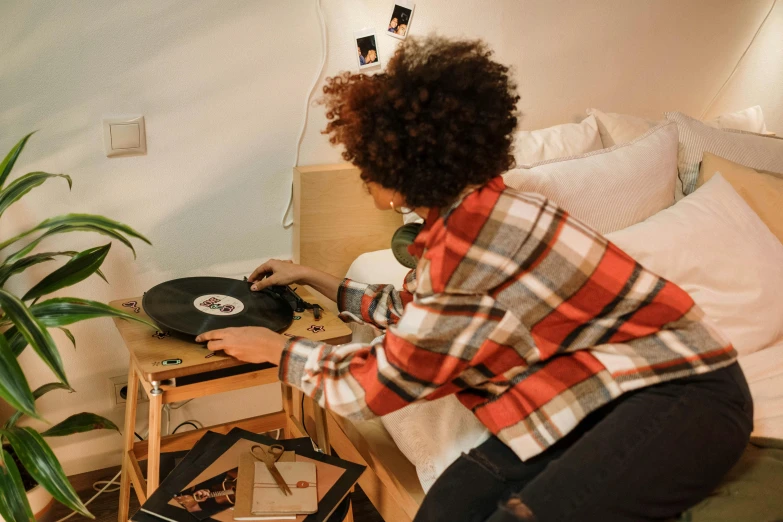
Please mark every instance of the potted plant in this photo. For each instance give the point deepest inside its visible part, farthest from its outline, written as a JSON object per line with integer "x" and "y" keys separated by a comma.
{"x": 24, "y": 451}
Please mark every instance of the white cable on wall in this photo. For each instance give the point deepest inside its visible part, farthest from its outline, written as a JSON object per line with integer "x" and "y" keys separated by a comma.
{"x": 322, "y": 25}
{"x": 733, "y": 71}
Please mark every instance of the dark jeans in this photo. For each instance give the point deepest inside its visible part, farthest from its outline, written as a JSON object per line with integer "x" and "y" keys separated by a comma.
{"x": 649, "y": 455}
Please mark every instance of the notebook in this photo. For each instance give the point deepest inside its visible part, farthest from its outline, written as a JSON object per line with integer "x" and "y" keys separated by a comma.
{"x": 259, "y": 497}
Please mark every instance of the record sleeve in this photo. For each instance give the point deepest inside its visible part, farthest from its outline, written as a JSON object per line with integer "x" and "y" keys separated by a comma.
{"x": 336, "y": 477}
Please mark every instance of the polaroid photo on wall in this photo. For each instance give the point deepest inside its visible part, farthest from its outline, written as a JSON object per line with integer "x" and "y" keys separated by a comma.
{"x": 367, "y": 48}
{"x": 400, "y": 21}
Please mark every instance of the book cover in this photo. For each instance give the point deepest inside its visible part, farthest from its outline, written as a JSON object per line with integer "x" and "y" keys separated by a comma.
{"x": 335, "y": 476}
{"x": 209, "y": 439}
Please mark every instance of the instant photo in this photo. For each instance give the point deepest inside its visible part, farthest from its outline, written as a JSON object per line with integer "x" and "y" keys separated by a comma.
{"x": 367, "y": 49}
{"x": 400, "y": 21}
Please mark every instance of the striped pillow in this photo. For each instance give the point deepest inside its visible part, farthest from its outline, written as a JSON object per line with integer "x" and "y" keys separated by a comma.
{"x": 609, "y": 189}
{"x": 756, "y": 151}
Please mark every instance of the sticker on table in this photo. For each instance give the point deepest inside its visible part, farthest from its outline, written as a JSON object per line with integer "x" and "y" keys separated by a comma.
{"x": 161, "y": 335}
{"x": 316, "y": 328}
{"x": 297, "y": 317}
{"x": 133, "y": 305}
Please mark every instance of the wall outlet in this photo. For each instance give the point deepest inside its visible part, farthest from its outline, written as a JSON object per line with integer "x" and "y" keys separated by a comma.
{"x": 118, "y": 386}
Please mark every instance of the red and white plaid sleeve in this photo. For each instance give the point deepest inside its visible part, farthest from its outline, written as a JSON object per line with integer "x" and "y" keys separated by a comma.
{"x": 426, "y": 353}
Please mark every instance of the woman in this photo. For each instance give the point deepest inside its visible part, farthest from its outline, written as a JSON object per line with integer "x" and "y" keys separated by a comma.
{"x": 608, "y": 394}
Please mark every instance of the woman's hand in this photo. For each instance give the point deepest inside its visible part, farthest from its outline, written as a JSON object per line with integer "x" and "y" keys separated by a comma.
{"x": 276, "y": 272}
{"x": 252, "y": 344}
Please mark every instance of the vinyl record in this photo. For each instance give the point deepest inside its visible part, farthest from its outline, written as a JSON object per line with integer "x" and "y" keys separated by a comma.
{"x": 194, "y": 305}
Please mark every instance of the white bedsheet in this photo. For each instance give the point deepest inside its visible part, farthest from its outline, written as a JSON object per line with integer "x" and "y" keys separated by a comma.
{"x": 433, "y": 434}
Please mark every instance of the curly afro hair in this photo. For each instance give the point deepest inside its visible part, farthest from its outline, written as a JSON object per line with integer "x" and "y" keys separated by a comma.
{"x": 438, "y": 120}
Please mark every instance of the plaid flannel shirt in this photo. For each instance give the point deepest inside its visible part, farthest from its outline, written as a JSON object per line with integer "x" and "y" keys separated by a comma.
{"x": 529, "y": 316}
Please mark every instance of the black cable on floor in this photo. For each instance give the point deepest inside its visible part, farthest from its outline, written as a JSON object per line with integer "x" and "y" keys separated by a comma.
{"x": 184, "y": 424}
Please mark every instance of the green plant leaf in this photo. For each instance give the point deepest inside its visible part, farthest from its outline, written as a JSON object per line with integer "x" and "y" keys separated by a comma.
{"x": 79, "y": 220}
{"x": 68, "y": 228}
{"x": 10, "y": 159}
{"x": 16, "y": 340}
{"x": 10, "y": 269}
{"x": 70, "y": 336}
{"x": 36, "y": 335}
{"x": 46, "y": 388}
{"x": 61, "y": 311}
{"x": 79, "y": 423}
{"x": 80, "y": 267}
{"x": 21, "y": 186}
{"x": 13, "y": 383}
{"x": 13, "y": 500}
{"x": 39, "y": 460}
{"x": 7, "y": 270}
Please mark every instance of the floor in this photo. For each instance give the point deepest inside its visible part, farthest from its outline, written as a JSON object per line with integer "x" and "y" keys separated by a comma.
{"x": 105, "y": 507}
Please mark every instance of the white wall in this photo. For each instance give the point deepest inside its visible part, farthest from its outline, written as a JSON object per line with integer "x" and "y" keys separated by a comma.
{"x": 222, "y": 85}
{"x": 759, "y": 77}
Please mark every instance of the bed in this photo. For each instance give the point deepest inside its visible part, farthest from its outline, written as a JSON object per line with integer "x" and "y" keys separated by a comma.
{"x": 337, "y": 229}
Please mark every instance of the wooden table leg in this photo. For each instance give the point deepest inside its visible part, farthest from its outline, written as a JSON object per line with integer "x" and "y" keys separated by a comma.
{"x": 153, "y": 457}
{"x": 128, "y": 434}
{"x": 321, "y": 429}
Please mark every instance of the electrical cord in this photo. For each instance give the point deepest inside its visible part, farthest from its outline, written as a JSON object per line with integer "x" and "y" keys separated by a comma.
{"x": 102, "y": 490}
{"x": 733, "y": 71}
{"x": 176, "y": 406}
{"x": 185, "y": 424}
{"x": 322, "y": 27}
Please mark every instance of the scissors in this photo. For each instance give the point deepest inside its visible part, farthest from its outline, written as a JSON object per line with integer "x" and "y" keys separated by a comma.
{"x": 269, "y": 457}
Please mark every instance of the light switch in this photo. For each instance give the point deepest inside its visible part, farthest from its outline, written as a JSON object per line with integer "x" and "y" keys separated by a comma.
{"x": 124, "y": 136}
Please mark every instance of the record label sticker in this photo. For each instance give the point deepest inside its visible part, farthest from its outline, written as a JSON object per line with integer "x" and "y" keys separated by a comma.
{"x": 217, "y": 304}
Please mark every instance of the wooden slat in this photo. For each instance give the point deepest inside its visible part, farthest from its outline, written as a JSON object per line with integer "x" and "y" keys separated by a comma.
{"x": 153, "y": 441}
{"x": 128, "y": 434}
{"x": 335, "y": 220}
{"x": 386, "y": 493}
{"x": 222, "y": 385}
{"x": 186, "y": 440}
{"x": 139, "y": 483}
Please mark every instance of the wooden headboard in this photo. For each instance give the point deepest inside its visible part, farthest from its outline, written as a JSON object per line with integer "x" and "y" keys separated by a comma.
{"x": 335, "y": 219}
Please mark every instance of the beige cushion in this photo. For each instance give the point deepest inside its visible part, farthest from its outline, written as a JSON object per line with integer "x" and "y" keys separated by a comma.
{"x": 616, "y": 129}
{"x": 752, "y": 150}
{"x": 569, "y": 139}
{"x": 717, "y": 249}
{"x": 763, "y": 192}
{"x": 611, "y": 188}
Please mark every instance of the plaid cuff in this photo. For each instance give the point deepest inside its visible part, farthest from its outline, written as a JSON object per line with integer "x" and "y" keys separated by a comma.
{"x": 349, "y": 297}
{"x": 293, "y": 360}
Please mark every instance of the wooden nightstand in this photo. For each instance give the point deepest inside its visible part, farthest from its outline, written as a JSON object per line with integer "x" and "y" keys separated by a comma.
{"x": 199, "y": 373}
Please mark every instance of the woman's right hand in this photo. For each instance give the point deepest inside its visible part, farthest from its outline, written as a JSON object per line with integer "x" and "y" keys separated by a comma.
{"x": 276, "y": 272}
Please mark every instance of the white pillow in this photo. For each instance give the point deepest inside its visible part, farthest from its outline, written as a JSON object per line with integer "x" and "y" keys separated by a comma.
{"x": 751, "y": 150}
{"x": 750, "y": 120}
{"x": 621, "y": 128}
{"x": 613, "y": 188}
{"x": 569, "y": 139}
{"x": 616, "y": 129}
{"x": 717, "y": 249}
{"x": 433, "y": 434}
